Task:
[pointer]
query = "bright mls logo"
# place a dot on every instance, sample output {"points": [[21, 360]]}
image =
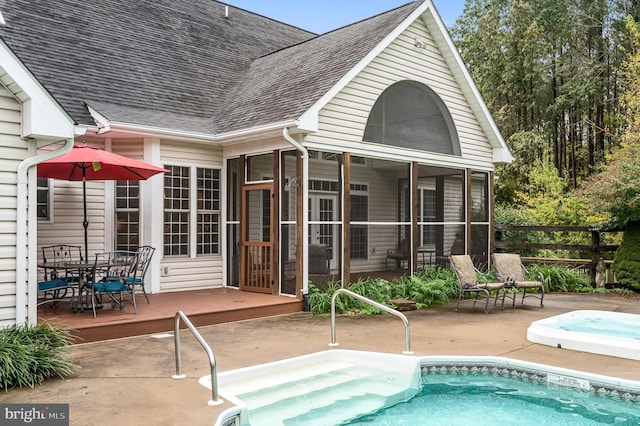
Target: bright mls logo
{"points": [[34, 414]]}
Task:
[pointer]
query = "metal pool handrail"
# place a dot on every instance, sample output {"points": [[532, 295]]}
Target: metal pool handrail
{"points": [[408, 351], [215, 400]]}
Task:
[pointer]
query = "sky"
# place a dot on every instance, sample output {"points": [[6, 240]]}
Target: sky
{"points": [[320, 16]]}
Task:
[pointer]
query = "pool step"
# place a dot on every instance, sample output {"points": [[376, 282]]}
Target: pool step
{"points": [[344, 384], [340, 394], [271, 379]]}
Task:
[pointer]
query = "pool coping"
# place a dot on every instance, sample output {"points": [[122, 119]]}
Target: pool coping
{"points": [[621, 347]]}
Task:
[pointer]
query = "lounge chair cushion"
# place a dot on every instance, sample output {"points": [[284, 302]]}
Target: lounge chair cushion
{"points": [[491, 286], [509, 267], [465, 270]]}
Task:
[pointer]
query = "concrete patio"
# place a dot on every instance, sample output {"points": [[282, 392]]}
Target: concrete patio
{"points": [[128, 381]]}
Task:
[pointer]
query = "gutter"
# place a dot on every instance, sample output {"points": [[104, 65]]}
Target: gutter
{"points": [[21, 226], [105, 125], [305, 208]]}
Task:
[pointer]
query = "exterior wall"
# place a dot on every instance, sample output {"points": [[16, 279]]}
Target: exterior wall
{"points": [[343, 119], [65, 224], [129, 147], [190, 273], [342, 123], [14, 150], [67, 215]]}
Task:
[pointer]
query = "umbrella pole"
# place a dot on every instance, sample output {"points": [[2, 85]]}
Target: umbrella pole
{"points": [[85, 222]]}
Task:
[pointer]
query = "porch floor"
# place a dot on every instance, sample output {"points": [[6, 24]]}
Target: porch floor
{"points": [[203, 307]]}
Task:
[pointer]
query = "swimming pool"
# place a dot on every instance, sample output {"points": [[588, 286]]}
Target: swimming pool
{"points": [[485, 395], [282, 388], [601, 332]]}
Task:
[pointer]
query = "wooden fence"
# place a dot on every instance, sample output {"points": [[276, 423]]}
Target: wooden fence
{"points": [[589, 254]]}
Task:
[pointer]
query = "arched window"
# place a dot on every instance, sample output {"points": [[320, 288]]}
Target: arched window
{"points": [[409, 114]]}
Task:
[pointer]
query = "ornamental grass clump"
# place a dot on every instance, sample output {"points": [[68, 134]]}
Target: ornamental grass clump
{"points": [[560, 278], [433, 286], [31, 354]]}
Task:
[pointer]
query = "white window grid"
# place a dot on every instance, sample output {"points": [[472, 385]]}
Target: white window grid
{"points": [[208, 211], [127, 213], [176, 211], [43, 203]]}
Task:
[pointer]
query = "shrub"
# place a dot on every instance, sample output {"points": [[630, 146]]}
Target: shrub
{"points": [[429, 287], [31, 354], [559, 278], [626, 262]]}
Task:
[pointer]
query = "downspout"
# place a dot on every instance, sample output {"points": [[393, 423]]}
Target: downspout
{"points": [[305, 208], [21, 226]]}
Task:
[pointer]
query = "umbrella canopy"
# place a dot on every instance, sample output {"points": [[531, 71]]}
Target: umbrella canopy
{"points": [[85, 162]]}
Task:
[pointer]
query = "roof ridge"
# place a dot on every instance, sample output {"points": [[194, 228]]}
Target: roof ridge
{"points": [[317, 36], [267, 17]]}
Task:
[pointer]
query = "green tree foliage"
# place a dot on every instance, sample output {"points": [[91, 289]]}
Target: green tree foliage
{"points": [[535, 188], [548, 71], [626, 263], [616, 189], [546, 200]]}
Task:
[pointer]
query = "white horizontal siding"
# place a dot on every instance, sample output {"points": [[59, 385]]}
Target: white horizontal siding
{"points": [[191, 274], [67, 216], [129, 147], [172, 152], [14, 150], [342, 121]]}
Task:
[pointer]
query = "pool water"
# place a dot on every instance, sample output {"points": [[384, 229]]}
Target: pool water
{"points": [[489, 399], [619, 325]]}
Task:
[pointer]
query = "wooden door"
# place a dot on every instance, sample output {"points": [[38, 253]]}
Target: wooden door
{"points": [[256, 238]]}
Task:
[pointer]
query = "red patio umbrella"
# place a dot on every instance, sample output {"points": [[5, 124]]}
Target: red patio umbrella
{"points": [[85, 162]]}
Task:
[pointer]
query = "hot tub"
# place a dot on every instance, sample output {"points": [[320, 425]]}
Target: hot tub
{"points": [[600, 332]]}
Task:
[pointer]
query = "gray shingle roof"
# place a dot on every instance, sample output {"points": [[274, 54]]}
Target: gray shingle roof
{"points": [[284, 84], [173, 64]]}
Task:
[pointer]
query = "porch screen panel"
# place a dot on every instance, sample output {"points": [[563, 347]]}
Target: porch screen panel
{"points": [[259, 167], [234, 175], [379, 215], [290, 187], [480, 211], [324, 215], [288, 258], [441, 214]]}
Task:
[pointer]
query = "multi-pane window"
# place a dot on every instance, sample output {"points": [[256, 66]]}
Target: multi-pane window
{"points": [[427, 214], [43, 199], [179, 185], [323, 185], [359, 240], [127, 215], [208, 232], [176, 211]]}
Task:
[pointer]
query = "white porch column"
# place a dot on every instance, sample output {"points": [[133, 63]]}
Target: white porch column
{"points": [[152, 212]]}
